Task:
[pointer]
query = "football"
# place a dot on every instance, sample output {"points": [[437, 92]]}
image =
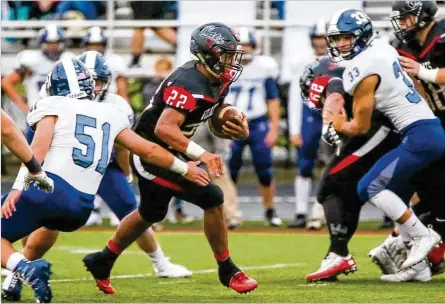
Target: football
{"points": [[222, 114]]}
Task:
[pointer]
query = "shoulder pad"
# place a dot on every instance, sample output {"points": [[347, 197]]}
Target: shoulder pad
{"points": [[48, 106], [269, 64], [28, 58]]}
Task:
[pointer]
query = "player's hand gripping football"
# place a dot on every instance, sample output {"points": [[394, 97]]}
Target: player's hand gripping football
{"points": [[213, 162], [8, 207], [41, 181], [240, 130], [196, 174]]}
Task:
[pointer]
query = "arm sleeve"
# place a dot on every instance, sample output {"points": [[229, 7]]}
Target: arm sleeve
{"points": [[335, 85], [44, 107], [271, 88]]}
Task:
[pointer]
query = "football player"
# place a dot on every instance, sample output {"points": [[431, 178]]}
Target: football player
{"points": [[375, 79], [69, 129], [114, 189], [95, 40], [420, 42], [14, 140], [256, 94], [322, 87], [305, 131], [33, 68], [184, 101]]}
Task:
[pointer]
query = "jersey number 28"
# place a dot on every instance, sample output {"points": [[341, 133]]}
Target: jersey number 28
{"points": [[87, 159]]}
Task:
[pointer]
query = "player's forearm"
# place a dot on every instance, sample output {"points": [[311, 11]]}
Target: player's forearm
{"points": [[171, 134], [14, 140], [157, 155], [123, 159], [440, 78], [274, 114], [353, 128], [122, 87], [333, 103]]}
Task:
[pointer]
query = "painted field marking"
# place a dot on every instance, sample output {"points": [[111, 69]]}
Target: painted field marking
{"points": [[203, 271]]}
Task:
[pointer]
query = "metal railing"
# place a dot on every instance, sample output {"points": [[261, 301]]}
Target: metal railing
{"points": [[119, 28]]}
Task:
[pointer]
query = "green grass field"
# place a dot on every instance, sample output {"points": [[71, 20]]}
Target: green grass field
{"points": [[279, 261]]}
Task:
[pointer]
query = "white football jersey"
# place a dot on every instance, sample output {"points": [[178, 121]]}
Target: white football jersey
{"points": [[117, 67], [83, 138], [396, 96], [122, 104], [248, 93], [40, 66]]}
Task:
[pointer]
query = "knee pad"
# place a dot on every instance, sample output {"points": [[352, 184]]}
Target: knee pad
{"points": [[305, 166], [153, 213]]}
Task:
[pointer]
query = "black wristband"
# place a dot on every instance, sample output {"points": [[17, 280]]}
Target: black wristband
{"points": [[33, 165]]}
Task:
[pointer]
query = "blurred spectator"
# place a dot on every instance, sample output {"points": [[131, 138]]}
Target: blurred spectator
{"points": [[162, 67], [153, 10], [91, 10]]}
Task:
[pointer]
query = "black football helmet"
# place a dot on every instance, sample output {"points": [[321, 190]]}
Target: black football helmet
{"points": [[312, 70], [218, 48], [423, 11]]}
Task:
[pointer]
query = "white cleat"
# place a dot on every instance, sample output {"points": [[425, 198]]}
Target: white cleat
{"points": [[390, 255], [420, 247], [420, 272], [166, 269]]}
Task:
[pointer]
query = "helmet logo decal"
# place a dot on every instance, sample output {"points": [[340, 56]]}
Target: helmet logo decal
{"points": [[414, 4], [209, 34]]}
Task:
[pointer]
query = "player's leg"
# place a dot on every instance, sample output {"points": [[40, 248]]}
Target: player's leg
{"points": [[119, 196], [262, 162], [236, 158], [24, 221], [152, 209], [307, 155], [392, 172], [210, 199]]}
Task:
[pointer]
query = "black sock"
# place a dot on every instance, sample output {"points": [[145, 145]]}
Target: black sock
{"points": [[270, 212], [226, 269], [339, 239], [135, 59]]}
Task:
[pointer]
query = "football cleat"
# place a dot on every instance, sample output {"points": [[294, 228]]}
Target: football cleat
{"points": [[166, 269], [332, 266], [390, 255], [36, 274], [438, 268], [233, 224], [241, 283], [100, 269], [419, 272], [420, 247], [12, 287], [271, 218], [299, 221]]}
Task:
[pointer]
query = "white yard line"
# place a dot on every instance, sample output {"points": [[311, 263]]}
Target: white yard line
{"points": [[203, 271]]}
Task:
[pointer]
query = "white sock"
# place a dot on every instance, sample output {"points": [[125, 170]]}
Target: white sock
{"points": [[303, 186], [403, 233], [414, 227], [13, 260], [157, 255]]}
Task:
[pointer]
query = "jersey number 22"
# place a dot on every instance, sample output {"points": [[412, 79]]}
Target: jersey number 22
{"points": [[87, 159]]}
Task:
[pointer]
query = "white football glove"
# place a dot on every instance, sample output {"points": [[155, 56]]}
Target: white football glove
{"points": [[41, 181], [331, 137]]}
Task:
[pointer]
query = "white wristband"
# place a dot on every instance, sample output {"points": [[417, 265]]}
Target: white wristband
{"points": [[19, 183], [429, 75], [179, 166], [194, 150]]}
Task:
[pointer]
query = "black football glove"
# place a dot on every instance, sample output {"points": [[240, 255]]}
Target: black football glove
{"points": [[332, 138]]}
